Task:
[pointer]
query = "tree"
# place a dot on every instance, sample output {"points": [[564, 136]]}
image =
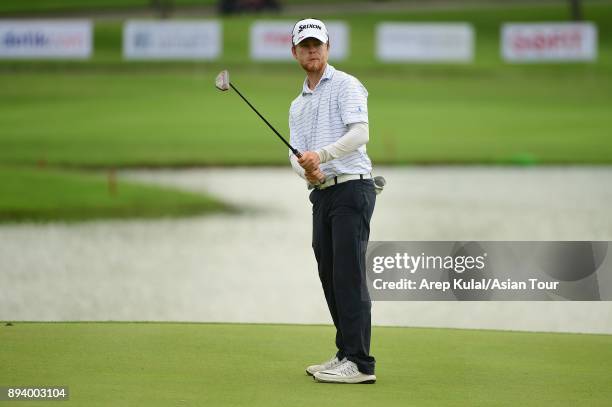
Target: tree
{"points": [[163, 7], [576, 8]]}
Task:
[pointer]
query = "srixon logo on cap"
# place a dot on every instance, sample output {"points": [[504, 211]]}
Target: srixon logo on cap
{"points": [[305, 26]]}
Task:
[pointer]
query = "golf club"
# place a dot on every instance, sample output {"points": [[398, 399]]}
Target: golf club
{"points": [[223, 83]]}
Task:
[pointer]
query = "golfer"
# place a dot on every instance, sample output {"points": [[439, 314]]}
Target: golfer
{"points": [[328, 123]]}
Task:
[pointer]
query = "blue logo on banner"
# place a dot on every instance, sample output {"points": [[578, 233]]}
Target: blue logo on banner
{"points": [[32, 39], [142, 40]]}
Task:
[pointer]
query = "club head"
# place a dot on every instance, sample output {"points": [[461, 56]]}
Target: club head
{"points": [[222, 80]]}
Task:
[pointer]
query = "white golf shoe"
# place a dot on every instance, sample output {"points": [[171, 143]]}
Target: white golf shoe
{"points": [[311, 370], [345, 372]]}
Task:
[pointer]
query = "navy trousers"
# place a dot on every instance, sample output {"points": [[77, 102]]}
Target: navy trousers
{"points": [[341, 228]]}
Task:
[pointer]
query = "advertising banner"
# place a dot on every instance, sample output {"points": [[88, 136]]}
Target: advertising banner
{"points": [[45, 39], [172, 40], [425, 42], [558, 42]]}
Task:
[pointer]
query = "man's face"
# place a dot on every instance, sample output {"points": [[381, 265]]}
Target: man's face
{"points": [[311, 54]]}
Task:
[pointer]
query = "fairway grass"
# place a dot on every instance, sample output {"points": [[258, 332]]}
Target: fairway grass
{"points": [[111, 112], [45, 194], [131, 119], [161, 364]]}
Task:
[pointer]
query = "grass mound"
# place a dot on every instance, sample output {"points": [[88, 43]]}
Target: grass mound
{"points": [[52, 195]]}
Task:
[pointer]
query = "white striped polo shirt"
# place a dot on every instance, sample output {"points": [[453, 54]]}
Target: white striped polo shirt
{"points": [[321, 116]]}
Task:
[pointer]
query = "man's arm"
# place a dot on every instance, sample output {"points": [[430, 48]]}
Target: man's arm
{"points": [[313, 175], [357, 135], [298, 143], [296, 166]]}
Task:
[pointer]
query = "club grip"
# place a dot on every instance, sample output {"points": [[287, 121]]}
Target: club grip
{"points": [[299, 155]]}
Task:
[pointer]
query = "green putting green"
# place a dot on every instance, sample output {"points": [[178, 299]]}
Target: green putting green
{"points": [[161, 364], [48, 194]]}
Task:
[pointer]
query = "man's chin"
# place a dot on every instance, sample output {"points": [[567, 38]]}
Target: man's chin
{"points": [[315, 66]]}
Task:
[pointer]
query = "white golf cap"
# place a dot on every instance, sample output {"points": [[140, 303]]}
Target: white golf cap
{"points": [[309, 28]]}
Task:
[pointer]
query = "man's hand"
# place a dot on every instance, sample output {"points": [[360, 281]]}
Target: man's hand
{"points": [[314, 177], [310, 161]]}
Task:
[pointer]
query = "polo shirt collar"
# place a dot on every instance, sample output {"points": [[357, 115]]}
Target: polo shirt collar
{"points": [[327, 74]]}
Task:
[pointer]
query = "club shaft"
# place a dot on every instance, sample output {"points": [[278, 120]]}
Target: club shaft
{"points": [[293, 150]]}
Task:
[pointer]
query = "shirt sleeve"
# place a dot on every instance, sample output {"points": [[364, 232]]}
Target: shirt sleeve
{"points": [[295, 139], [353, 102], [296, 166], [297, 144], [356, 136]]}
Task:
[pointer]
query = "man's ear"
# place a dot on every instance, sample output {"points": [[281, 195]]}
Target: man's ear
{"points": [[293, 51]]}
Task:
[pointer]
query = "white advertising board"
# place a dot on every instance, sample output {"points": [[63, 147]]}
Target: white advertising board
{"points": [[271, 40], [45, 39], [559, 42], [425, 42], [170, 40]]}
